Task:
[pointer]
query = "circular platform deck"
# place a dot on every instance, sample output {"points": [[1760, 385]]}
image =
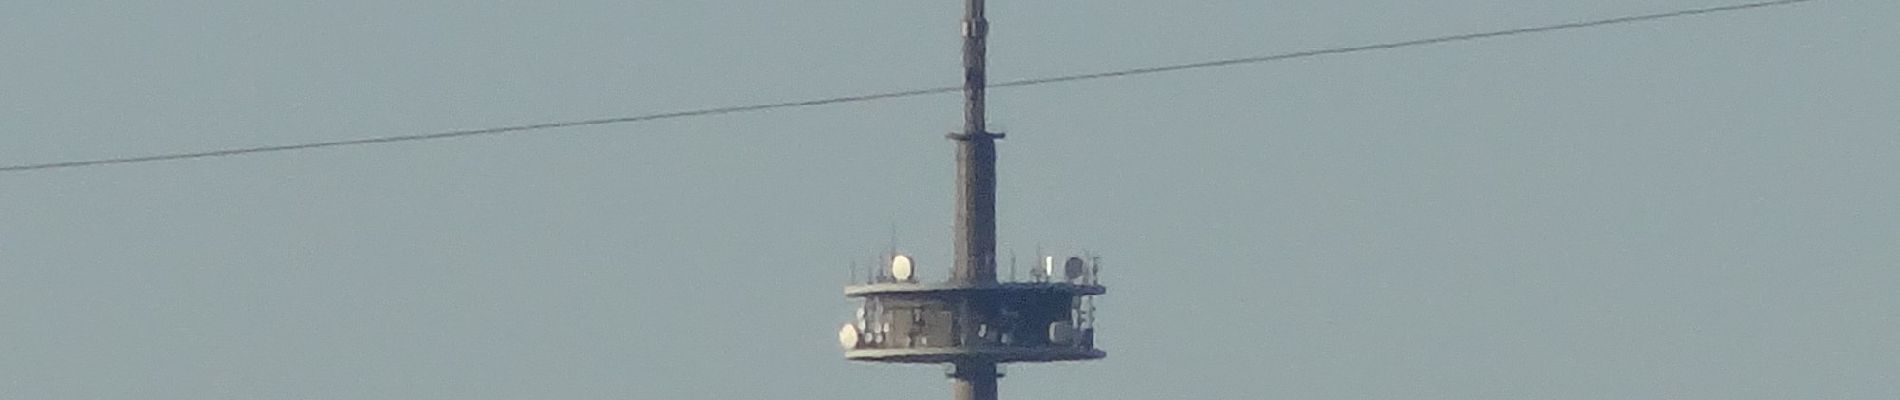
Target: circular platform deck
{"points": [[930, 289], [1001, 354]]}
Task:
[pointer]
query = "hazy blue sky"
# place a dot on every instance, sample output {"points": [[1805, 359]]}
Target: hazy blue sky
{"points": [[1703, 208]]}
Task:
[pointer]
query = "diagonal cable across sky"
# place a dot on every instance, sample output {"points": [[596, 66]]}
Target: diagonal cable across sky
{"points": [[704, 112]]}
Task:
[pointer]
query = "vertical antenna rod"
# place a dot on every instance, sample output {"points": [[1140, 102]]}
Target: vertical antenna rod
{"points": [[976, 161]]}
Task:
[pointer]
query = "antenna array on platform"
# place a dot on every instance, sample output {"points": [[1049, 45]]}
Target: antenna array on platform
{"points": [[973, 322]]}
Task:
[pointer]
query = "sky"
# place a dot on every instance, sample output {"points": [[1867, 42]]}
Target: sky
{"points": [[1698, 208]]}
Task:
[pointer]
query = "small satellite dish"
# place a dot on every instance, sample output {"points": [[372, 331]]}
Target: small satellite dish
{"points": [[1074, 268], [901, 268], [1060, 332], [848, 337]]}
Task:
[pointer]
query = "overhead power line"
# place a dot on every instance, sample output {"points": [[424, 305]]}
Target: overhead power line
{"points": [[898, 94]]}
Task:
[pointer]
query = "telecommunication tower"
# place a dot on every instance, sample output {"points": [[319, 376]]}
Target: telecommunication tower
{"points": [[974, 322]]}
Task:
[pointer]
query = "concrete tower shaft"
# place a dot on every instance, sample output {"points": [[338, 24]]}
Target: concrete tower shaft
{"points": [[976, 161], [976, 201]]}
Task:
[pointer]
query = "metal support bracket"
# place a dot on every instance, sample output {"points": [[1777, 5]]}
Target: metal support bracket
{"points": [[964, 137]]}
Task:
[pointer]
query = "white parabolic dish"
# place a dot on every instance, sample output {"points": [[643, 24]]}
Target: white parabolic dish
{"points": [[901, 267], [848, 336]]}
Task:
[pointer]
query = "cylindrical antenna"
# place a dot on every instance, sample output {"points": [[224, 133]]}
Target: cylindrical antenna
{"points": [[975, 62], [976, 161]]}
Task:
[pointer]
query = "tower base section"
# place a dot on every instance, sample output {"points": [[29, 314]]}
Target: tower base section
{"points": [[974, 381]]}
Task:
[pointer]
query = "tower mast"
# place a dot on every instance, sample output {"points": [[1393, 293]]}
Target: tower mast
{"points": [[976, 160], [976, 200], [973, 323]]}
